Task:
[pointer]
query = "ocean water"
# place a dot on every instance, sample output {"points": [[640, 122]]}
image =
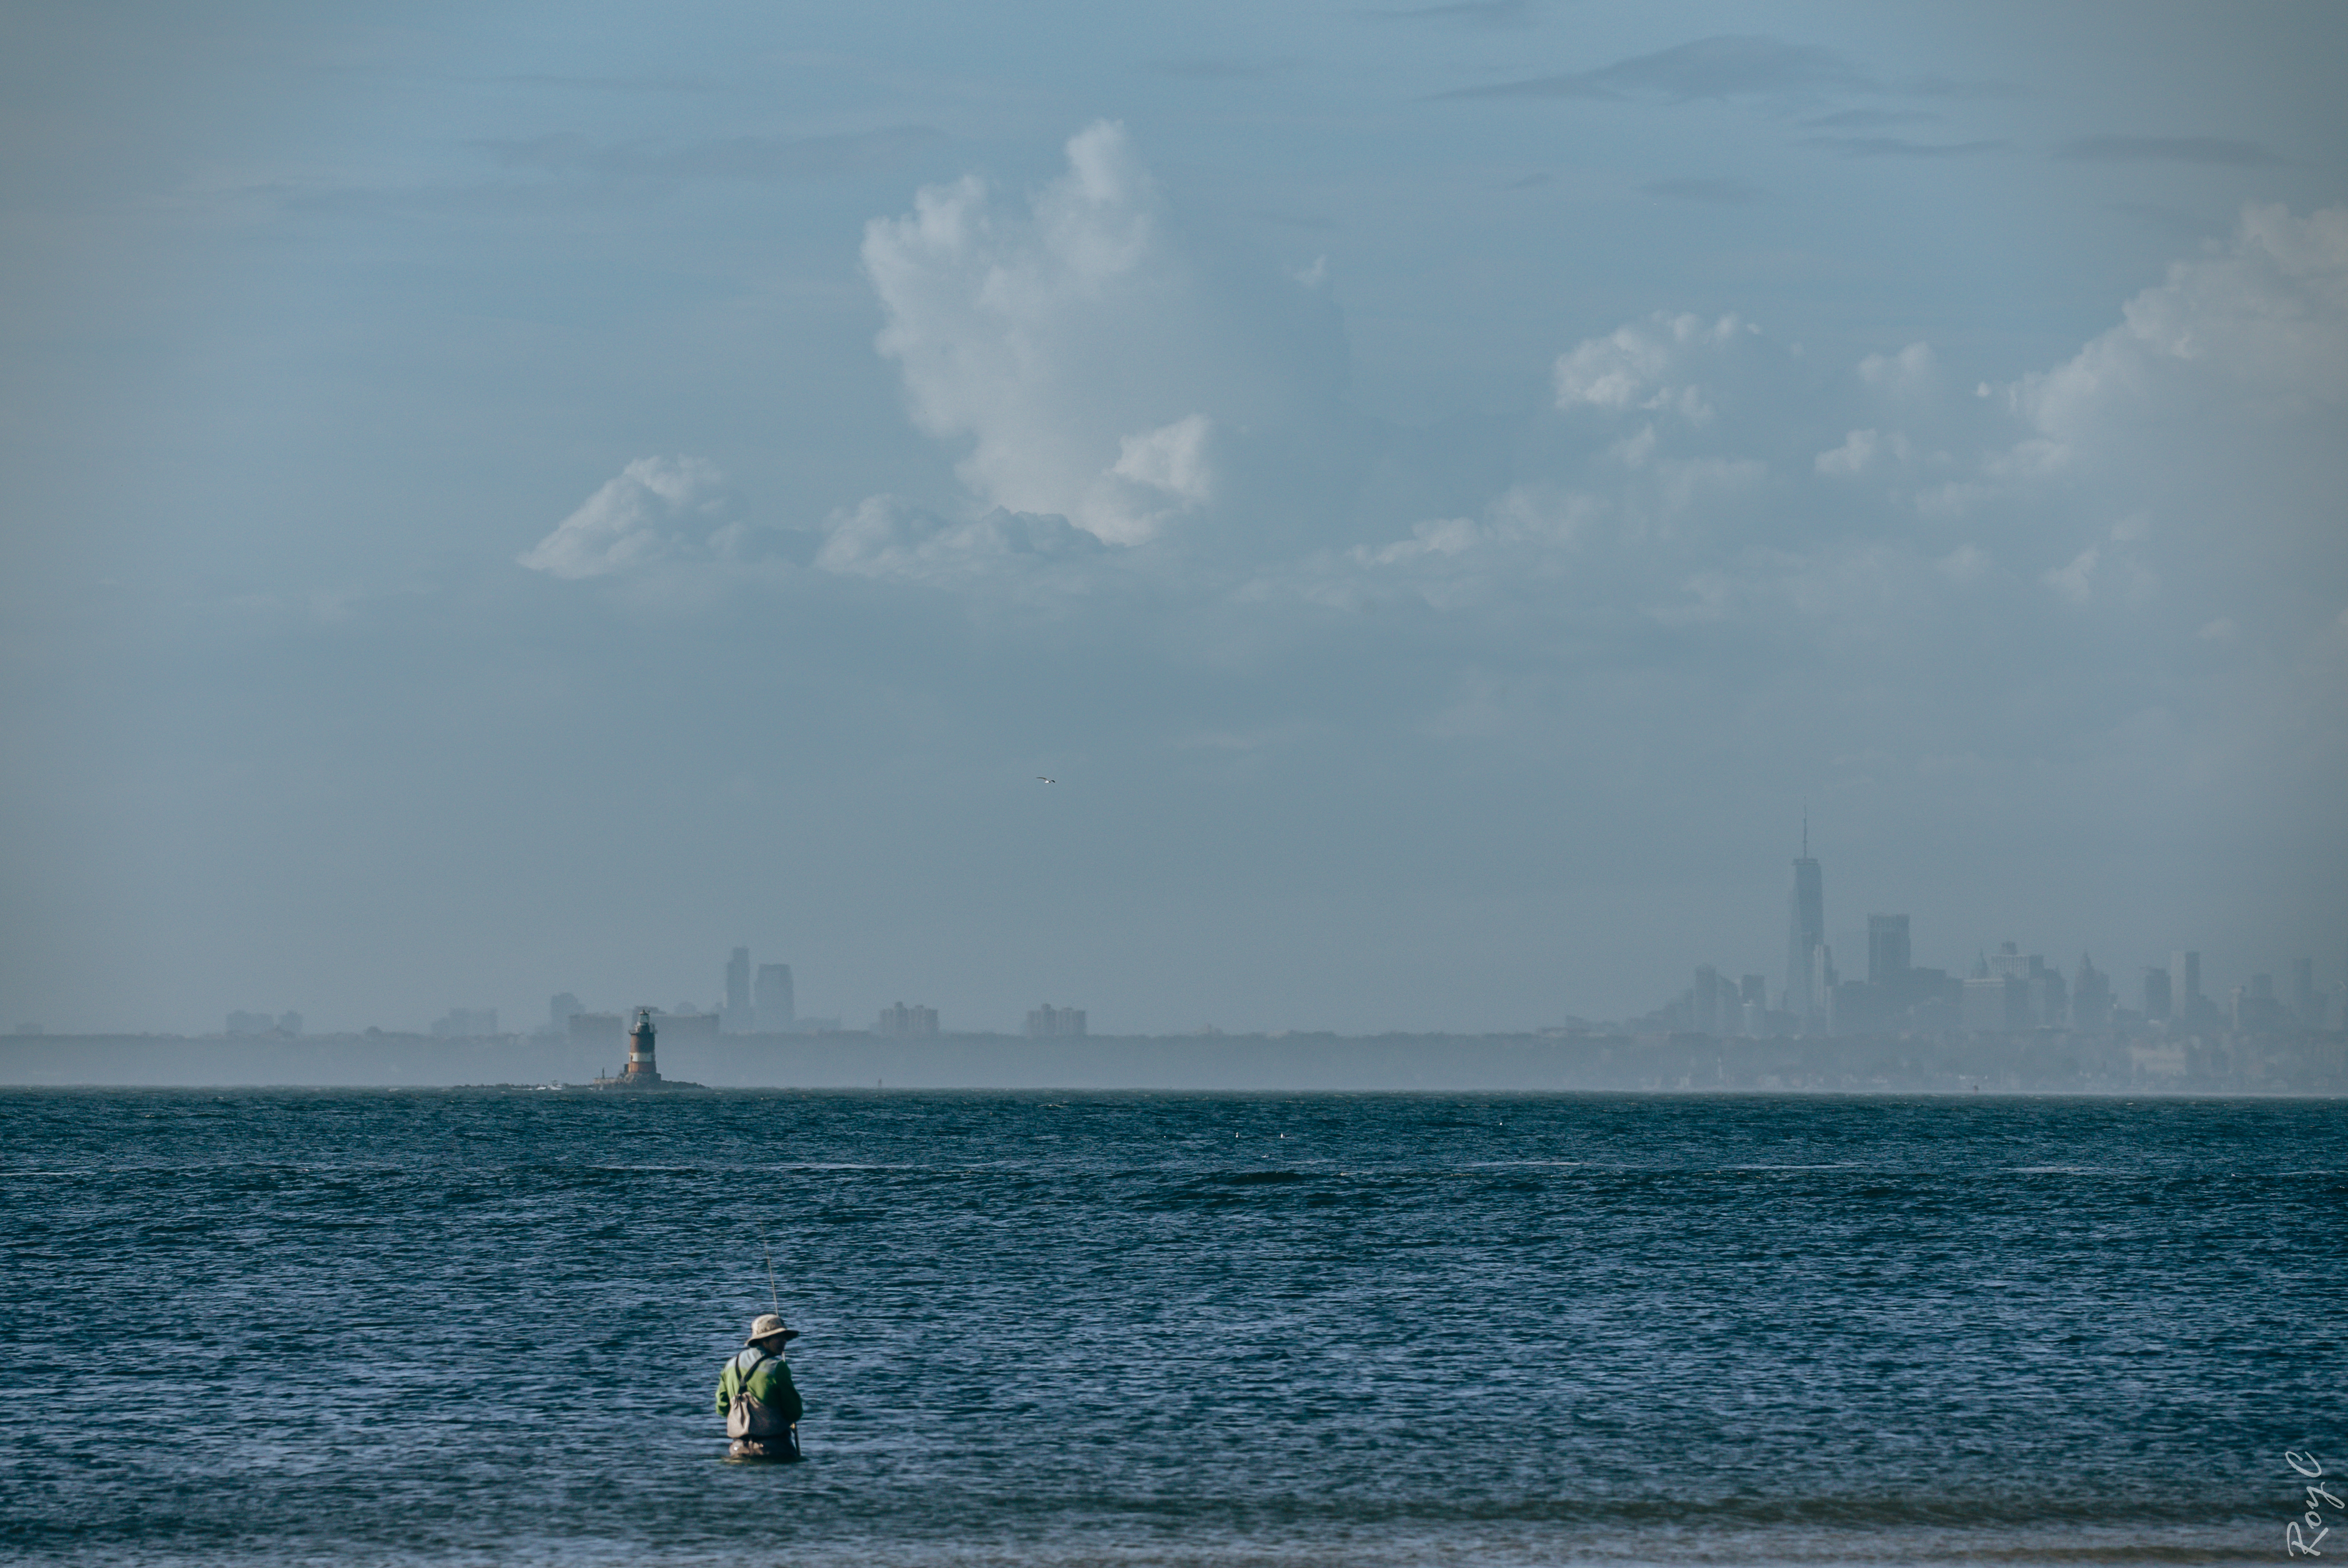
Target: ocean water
{"points": [[476, 1327]]}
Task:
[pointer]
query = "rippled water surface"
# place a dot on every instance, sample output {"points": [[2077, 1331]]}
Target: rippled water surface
{"points": [[483, 1326]]}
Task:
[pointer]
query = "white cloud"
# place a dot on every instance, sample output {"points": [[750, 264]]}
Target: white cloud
{"points": [[1526, 535], [1070, 345], [1632, 451], [1172, 459], [1542, 516], [1685, 483], [1523, 523], [1907, 373], [2265, 319], [2075, 583], [1101, 397], [633, 520], [1964, 565], [2273, 310], [1953, 498], [1860, 450], [1856, 451], [1444, 536], [1838, 592], [884, 536], [1644, 365]]}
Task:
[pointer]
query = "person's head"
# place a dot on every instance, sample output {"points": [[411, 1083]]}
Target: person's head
{"points": [[769, 1334]]}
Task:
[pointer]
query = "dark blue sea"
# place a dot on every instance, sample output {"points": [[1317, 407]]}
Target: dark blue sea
{"points": [[477, 1327]]}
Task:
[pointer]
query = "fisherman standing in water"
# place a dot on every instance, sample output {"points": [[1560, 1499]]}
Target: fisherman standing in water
{"points": [[757, 1397]]}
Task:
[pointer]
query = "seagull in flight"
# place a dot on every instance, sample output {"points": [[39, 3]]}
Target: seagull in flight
{"points": [[1043, 780]]}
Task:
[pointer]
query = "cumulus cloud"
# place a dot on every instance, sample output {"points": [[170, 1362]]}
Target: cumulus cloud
{"points": [[1862, 450], [636, 518], [2266, 318], [886, 537], [1700, 495], [1530, 534], [2075, 582], [1172, 460], [1683, 484], [1069, 344], [1965, 564], [1849, 588], [1644, 365], [1856, 451], [2211, 416], [2112, 568], [1688, 510], [1909, 371], [1443, 536]]}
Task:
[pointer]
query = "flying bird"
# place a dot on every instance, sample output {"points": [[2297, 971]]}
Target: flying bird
{"points": [[1041, 777]]}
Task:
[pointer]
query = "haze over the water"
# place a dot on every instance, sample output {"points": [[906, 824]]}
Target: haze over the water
{"points": [[515, 502]]}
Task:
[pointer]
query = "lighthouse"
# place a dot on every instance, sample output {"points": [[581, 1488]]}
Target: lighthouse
{"points": [[641, 1074]]}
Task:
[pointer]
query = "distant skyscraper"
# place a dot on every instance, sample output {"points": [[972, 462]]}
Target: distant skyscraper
{"points": [[1805, 931], [2159, 1001], [777, 1012], [1823, 984], [738, 988], [2091, 998], [2184, 984], [1716, 1008], [2302, 994], [1886, 950], [601, 1031], [902, 1022], [1047, 1021], [1995, 1004], [2011, 962], [2049, 999]]}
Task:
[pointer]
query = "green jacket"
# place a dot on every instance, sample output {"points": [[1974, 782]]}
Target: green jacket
{"points": [[770, 1385]]}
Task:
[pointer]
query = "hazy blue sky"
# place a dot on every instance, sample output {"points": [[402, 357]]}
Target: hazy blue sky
{"points": [[514, 498]]}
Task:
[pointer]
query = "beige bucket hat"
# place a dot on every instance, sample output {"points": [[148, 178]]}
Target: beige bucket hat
{"points": [[770, 1326]]}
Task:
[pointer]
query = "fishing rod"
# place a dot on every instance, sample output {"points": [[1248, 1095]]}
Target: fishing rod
{"points": [[772, 1288]]}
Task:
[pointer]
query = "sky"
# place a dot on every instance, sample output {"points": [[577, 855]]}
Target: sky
{"points": [[507, 499]]}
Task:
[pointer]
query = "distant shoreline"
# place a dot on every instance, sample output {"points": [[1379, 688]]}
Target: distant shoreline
{"points": [[2047, 1063]]}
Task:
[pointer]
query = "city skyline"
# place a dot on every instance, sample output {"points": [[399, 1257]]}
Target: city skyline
{"points": [[1880, 996], [2006, 990]]}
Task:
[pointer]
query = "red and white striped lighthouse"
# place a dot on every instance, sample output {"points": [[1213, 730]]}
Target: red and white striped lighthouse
{"points": [[640, 1068]]}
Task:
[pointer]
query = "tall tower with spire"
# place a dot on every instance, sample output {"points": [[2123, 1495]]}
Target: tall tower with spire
{"points": [[1806, 932]]}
